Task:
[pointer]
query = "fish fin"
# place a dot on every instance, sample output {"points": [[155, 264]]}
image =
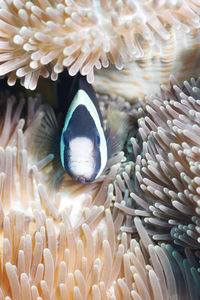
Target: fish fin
{"points": [[44, 137], [116, 130]]}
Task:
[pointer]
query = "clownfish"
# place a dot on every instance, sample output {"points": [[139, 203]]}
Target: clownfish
{"points": [[82, 146]]}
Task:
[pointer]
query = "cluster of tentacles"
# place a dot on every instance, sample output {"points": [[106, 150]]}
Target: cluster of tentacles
{"points": [[132, 234], [41, 37], [163, 188]]}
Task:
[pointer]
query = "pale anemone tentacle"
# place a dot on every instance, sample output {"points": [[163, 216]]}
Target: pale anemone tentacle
{"points": [[42, 37], [49, 260], [166, 182]]}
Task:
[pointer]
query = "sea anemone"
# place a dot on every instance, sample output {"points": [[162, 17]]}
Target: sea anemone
{"points": [[166, 179], [108, 239], [42, 37], [50, 254]]}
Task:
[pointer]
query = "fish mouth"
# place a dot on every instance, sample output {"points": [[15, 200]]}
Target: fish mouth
{"points": [[82, 179]]}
